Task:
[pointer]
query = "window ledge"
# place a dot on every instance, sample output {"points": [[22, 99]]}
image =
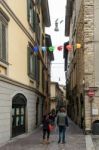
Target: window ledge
{"points": [[3, 62]]}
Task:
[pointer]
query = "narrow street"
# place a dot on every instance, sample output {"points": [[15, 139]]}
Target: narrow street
{"points": [[75, 140]]}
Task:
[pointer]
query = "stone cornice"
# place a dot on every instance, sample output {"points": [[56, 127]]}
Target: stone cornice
{"points": [[16, 83]]}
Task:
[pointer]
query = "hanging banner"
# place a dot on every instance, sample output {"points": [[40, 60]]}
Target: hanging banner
{"points": [[69, 47], [51, 48], [59, 48], [78, 45], [35, 48], [43, 48]]}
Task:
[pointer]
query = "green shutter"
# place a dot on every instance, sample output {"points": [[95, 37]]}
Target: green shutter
{"points": [[38, 2], [36, 69], [34, 20], [28, 60], [33, 61], [28, 9], [3, 42]]}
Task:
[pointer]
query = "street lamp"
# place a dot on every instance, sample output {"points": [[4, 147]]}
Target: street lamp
{"points": [[57, 25]]}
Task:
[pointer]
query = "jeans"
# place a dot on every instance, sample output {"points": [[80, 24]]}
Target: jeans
{"points": [[62, 130], [46, 132]]}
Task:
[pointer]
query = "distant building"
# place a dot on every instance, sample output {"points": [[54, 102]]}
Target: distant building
{"points": [[63, 89], [54, 88], [57, 98], [82, 68]]}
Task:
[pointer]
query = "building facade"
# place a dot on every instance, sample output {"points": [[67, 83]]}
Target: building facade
{"points": [[57, 96], [22, 69], [54, 93], [82, 71]]}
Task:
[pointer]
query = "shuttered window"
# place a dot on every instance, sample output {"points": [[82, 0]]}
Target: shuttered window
{"points": [[38, 2], [31, 14], [33, 64], [37, 28], [3, 49]]}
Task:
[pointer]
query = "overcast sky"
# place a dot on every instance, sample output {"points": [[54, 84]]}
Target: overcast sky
{"points": [[57, 10]]}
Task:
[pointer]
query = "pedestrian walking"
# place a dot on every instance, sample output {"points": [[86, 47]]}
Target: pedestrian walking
{"points": [[62, 122], [46, 129], [52, 117]]}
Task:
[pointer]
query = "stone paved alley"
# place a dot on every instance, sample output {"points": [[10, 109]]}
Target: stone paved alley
{"points": [[75, 140]]}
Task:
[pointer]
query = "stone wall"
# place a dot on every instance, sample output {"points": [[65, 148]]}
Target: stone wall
{"points": [[88, 57], [88, 41]]}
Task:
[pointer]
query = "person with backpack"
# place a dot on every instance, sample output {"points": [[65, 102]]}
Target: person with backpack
{"points": [[62, 122]]}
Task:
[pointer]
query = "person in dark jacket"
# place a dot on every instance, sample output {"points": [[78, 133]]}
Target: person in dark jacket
{"points": [[62, 122], [52, 118], [46, 130]]}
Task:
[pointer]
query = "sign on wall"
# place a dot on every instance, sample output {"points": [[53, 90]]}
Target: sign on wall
{"points": [[95, 111]]}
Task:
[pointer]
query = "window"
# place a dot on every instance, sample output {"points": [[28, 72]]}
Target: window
{"points": [[33, 64], [38, 2], [3, 38], [43, 79], [31, 14], [43, 44], [37, 28]]}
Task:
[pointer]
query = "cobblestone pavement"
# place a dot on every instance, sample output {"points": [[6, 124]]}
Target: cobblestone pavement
{"points": [[75, 140]]}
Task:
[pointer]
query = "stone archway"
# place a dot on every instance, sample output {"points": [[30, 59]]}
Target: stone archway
{"points": [[18, 114]]}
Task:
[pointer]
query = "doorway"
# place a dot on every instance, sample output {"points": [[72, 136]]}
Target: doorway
{"points": [[18, 114], [82, 110], [37, 109]]}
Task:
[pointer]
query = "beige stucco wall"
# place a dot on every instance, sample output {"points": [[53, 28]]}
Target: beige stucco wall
{"points": [[17, 43], [17, 56], [20, 10]]}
